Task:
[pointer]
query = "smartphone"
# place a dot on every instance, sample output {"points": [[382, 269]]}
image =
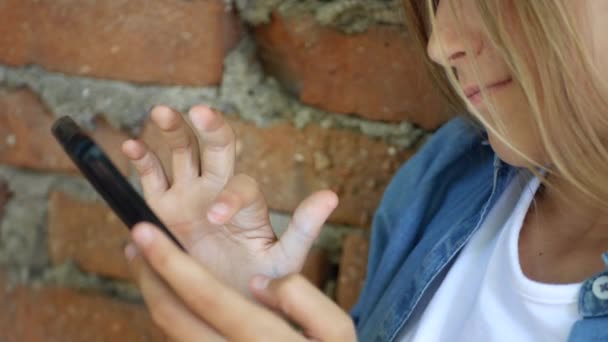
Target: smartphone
{"points": [[95, 165]]}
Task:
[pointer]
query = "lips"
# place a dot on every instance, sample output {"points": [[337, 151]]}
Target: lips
{"points": [[475, 91]]}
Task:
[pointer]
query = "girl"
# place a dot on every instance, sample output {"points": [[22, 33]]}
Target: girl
{"points": [[494, 231]]}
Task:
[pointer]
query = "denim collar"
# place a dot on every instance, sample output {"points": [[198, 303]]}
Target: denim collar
{"points": [[593, 297]]}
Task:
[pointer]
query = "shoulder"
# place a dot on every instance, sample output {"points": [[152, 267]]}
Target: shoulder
{"points": [[446, 157]]}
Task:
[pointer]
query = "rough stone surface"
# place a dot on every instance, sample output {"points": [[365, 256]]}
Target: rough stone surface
{"points": [[353, 268], [245, 90], [123, 104], [26, 139], [5, 195], [23, 228], [88, 233], [349, 16], [377, 74], [55, 314], [8, 310], [155, 41], [282, 159], [258, 98], [22, 234]]}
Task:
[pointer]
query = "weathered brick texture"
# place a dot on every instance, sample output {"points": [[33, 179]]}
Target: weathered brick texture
{"points": [[58, 315], [26, 139], [376, 74], [353, 268], [88, 233], [149, 41]]}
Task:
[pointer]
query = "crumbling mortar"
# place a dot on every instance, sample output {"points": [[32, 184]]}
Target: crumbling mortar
{"points": [[348, 16], [245, 90]]}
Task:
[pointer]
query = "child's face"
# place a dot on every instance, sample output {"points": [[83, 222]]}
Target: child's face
{"points": [[462, 30]]}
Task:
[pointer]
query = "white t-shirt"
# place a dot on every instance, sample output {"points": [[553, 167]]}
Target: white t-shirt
{"points": [[486, 297]]}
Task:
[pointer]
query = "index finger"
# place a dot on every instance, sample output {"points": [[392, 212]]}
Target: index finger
{"points": [[227, 311]]}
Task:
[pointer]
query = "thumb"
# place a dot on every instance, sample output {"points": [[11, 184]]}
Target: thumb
{"points": [[306, 224], [304, 304]]}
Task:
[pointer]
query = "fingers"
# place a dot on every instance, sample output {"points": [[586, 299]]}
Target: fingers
{"points": [[298, 299], [181, 140], [167, 311], [148, 166], [218, 143], [240, 202], [213, 302], [306, 224]]}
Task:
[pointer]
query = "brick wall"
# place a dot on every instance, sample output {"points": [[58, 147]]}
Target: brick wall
{"points": [[318, 100]]}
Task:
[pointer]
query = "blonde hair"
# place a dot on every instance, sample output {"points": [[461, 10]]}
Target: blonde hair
{"points": [[568, 99]]}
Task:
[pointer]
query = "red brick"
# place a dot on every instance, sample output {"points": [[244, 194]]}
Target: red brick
{"points": [[376, 74], [53, 314], [88, 233], [26, 139], [290, 164], [353, 267], [158, 41], [316, 268]]}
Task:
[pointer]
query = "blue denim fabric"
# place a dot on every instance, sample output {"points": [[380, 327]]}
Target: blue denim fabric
{"points": [[429, 211]]}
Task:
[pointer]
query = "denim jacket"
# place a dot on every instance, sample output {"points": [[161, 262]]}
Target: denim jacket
{"points": [[430, 210]]}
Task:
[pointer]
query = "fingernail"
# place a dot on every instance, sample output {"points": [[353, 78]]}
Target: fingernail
{"points": [[144, 235], [333, 201], [130, 252], [219, 209], [217, 213], [260, 282]]}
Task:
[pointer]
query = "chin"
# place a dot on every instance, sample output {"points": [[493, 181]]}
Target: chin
{"points": [[505, 153]]}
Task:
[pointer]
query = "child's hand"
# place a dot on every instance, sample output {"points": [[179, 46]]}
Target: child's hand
{"points": [[221, 219], [190, 304]]}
